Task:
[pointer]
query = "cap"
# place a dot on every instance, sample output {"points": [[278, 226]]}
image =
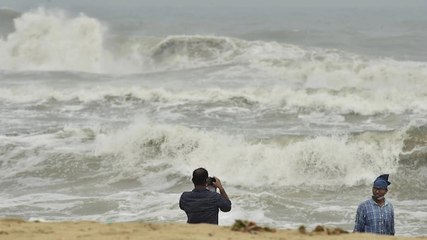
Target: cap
{"points": [[382, 181]]}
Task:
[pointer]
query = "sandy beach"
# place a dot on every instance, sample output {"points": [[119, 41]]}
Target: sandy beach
{"points": [[18, 229]]}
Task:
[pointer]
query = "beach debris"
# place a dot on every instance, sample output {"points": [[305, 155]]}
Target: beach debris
{"points": [[250, 227], [302, 229], [152, 227], [329, 231], [319, 229]]}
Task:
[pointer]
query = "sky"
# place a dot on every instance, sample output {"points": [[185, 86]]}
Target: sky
{"points": [[23, 4]]}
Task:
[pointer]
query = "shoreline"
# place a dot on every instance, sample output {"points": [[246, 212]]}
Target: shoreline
{"points": [[17, 229]]}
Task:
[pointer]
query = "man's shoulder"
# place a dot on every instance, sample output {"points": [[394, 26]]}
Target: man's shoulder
{"points": [[196, 192], [186, 194], [388, 203], [365, 203]]}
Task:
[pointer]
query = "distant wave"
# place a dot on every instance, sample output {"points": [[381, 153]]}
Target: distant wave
{"points": [[278, 98], [50, 40], [414, 152], [295, 79], [197, 50]]}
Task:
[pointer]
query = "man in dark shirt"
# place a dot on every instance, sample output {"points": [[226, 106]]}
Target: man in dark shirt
{"points": [[202, 205]]}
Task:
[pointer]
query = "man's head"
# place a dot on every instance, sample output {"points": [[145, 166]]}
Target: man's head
{"points": [[199, 176], [380, 187]]}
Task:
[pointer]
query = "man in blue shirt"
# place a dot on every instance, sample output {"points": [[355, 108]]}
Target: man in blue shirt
{"points": [[202, 205], [376, 215]]}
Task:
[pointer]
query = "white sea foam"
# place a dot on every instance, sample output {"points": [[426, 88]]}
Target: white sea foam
{"points": [[334, 160], [51, 40], [48, 40], [291, 100], [272, 74]]}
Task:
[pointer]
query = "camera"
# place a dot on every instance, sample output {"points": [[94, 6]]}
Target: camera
{"points": [[209, 183], [210, 180]]}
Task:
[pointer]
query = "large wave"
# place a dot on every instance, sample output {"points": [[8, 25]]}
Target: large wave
{"points": [[293, 78], [54, 41], [184, 51], [321, 161], [145, 150], [279, 97], [49, 40]]}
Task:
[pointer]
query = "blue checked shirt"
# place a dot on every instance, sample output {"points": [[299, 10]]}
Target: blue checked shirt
{"points": [[373, 218]]}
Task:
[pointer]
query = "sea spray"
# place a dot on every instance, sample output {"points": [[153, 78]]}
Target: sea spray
{"points": [[49, 40], [335, 160], [303, 101]]}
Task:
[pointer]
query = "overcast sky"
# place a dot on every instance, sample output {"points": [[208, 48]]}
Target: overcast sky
{"points": [[22, 4]]}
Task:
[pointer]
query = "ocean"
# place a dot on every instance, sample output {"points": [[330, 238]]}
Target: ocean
{"points": [[107, 108]]}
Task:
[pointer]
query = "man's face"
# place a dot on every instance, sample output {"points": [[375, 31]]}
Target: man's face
{"points": [[378, 193]]}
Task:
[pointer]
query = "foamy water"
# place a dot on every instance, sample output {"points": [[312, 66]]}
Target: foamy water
{"points": [[102, 126]]}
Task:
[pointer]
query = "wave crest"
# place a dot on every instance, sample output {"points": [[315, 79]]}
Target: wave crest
{"points": [[196, 51], [49, 40], [321, 161]]}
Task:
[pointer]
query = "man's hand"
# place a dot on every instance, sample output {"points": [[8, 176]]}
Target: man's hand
{"points": [[218, 184]]}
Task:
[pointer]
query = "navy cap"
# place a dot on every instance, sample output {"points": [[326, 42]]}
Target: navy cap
{"points": [[382, 182]]}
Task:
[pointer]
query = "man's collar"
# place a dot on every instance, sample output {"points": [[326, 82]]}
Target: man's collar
{"points": [[199, 189], [373, 202]]}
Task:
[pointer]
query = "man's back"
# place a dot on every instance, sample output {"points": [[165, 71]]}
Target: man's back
{"points": [[202, 205]]}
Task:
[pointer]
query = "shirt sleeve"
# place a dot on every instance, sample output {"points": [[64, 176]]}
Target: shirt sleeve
{"points": [[181, 202], [392, 221], [359, 225], [224, 204]]}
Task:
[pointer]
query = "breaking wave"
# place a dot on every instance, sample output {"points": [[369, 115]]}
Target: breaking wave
{"points": [[293, 79], [324, 161], [147, 150]]}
